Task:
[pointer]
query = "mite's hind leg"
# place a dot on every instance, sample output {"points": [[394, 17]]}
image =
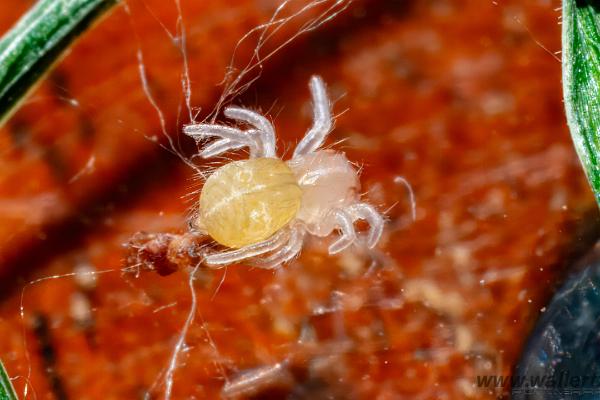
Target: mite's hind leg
{"points": [[219, 147], [344, 222], [265, 132], [231, 139], [286, 253], [368, 213], [219, 259]]}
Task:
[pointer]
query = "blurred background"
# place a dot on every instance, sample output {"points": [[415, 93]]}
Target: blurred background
{"points": [[460, 98]]}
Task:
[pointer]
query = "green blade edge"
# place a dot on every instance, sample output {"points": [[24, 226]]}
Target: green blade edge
{"points": [[581, 82], [37, 42], [7, 391]]}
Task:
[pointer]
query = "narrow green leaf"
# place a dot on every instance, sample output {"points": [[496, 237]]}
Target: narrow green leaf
{"points": [[7, 392], [37, 41], [581, 82]]}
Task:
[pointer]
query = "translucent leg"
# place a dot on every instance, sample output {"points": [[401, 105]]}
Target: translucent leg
{"points": [[348, 236], [286, 253], [368, 213], [219, 147], [231, 138], [264, 129], [322, 121], [219, 259]]}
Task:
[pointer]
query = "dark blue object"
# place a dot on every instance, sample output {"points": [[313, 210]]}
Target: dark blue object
{"points": [[562, 357]]}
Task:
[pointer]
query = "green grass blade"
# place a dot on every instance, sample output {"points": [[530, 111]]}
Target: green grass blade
{"points": [[7, 392], [37, 41], [581, 82]]}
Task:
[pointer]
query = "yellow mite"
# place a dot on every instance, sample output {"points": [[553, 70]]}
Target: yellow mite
{"points": [[263, 207]]}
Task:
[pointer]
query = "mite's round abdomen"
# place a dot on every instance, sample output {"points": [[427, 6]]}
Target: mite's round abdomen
{"points": [[245, 202]]}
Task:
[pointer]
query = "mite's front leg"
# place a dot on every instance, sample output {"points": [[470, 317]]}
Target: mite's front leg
{"points": [[368, 213], [322, 121], [345, 224]]}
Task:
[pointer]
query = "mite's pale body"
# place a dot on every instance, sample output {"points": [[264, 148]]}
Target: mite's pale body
{"points": [[328, 182], [264, 206]]}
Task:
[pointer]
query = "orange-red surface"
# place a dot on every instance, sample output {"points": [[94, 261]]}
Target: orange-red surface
{"points": [[459, 97]]}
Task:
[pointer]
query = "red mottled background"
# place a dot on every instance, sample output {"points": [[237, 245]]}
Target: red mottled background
{"points": [[462, 98]]}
